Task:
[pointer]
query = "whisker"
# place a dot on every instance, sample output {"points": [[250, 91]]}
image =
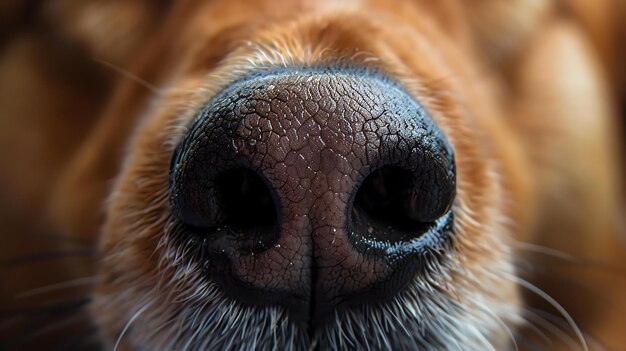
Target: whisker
{"points": [[45, 256], [536, 330], [546, 251], [38, 319], [38, 322], [552, 302], [567, 258], [8, 322], [128, 324], [29, 335], [483, 340], [58, 286], [499, 320], [47, 309], [557, 320], [553, 329], [528, 345], [64, 238], [584, 288], [128, 75]]}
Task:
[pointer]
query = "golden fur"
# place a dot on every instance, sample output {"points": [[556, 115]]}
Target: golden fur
{"points": [[95, 95]]}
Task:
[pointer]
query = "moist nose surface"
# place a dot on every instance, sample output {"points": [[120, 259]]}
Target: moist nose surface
{"points": [[313, 189]]}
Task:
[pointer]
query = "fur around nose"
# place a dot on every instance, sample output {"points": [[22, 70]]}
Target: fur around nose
{"points": [[313, 189]]}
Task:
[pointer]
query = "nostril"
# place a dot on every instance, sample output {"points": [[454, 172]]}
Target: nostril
{"points": [[232, 209], [246, 202], [394, 205]]}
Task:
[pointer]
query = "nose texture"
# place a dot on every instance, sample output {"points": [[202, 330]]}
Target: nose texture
{"points": [[314, 189]]}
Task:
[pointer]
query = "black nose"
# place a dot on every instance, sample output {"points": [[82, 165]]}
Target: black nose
{"points": [[314, 189]]}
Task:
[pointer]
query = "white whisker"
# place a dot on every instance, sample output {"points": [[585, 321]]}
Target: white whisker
{"points": [[553, 329], [58, 286], [129, 75], [552, 302], [502, 323], [545, 250], [128, 324]]}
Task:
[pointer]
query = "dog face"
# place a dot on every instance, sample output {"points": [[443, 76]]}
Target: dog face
{"points": [[312, 180], [319, 175]]}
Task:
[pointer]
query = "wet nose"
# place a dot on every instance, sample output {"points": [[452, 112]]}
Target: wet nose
{"points": [[313, 190]]}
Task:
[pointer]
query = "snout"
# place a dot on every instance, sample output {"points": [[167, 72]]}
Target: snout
{"points": [[313, 190]]}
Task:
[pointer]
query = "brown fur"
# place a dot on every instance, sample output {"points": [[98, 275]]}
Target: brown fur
{"points": [[525, 91]]}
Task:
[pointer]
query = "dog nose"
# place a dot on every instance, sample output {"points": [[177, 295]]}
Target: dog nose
{"points": [[313, 189]]}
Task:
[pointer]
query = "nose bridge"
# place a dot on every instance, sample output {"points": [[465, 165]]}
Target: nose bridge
{"points": [[314, 138], [307, 135], [306, 139], [304, 128]]}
